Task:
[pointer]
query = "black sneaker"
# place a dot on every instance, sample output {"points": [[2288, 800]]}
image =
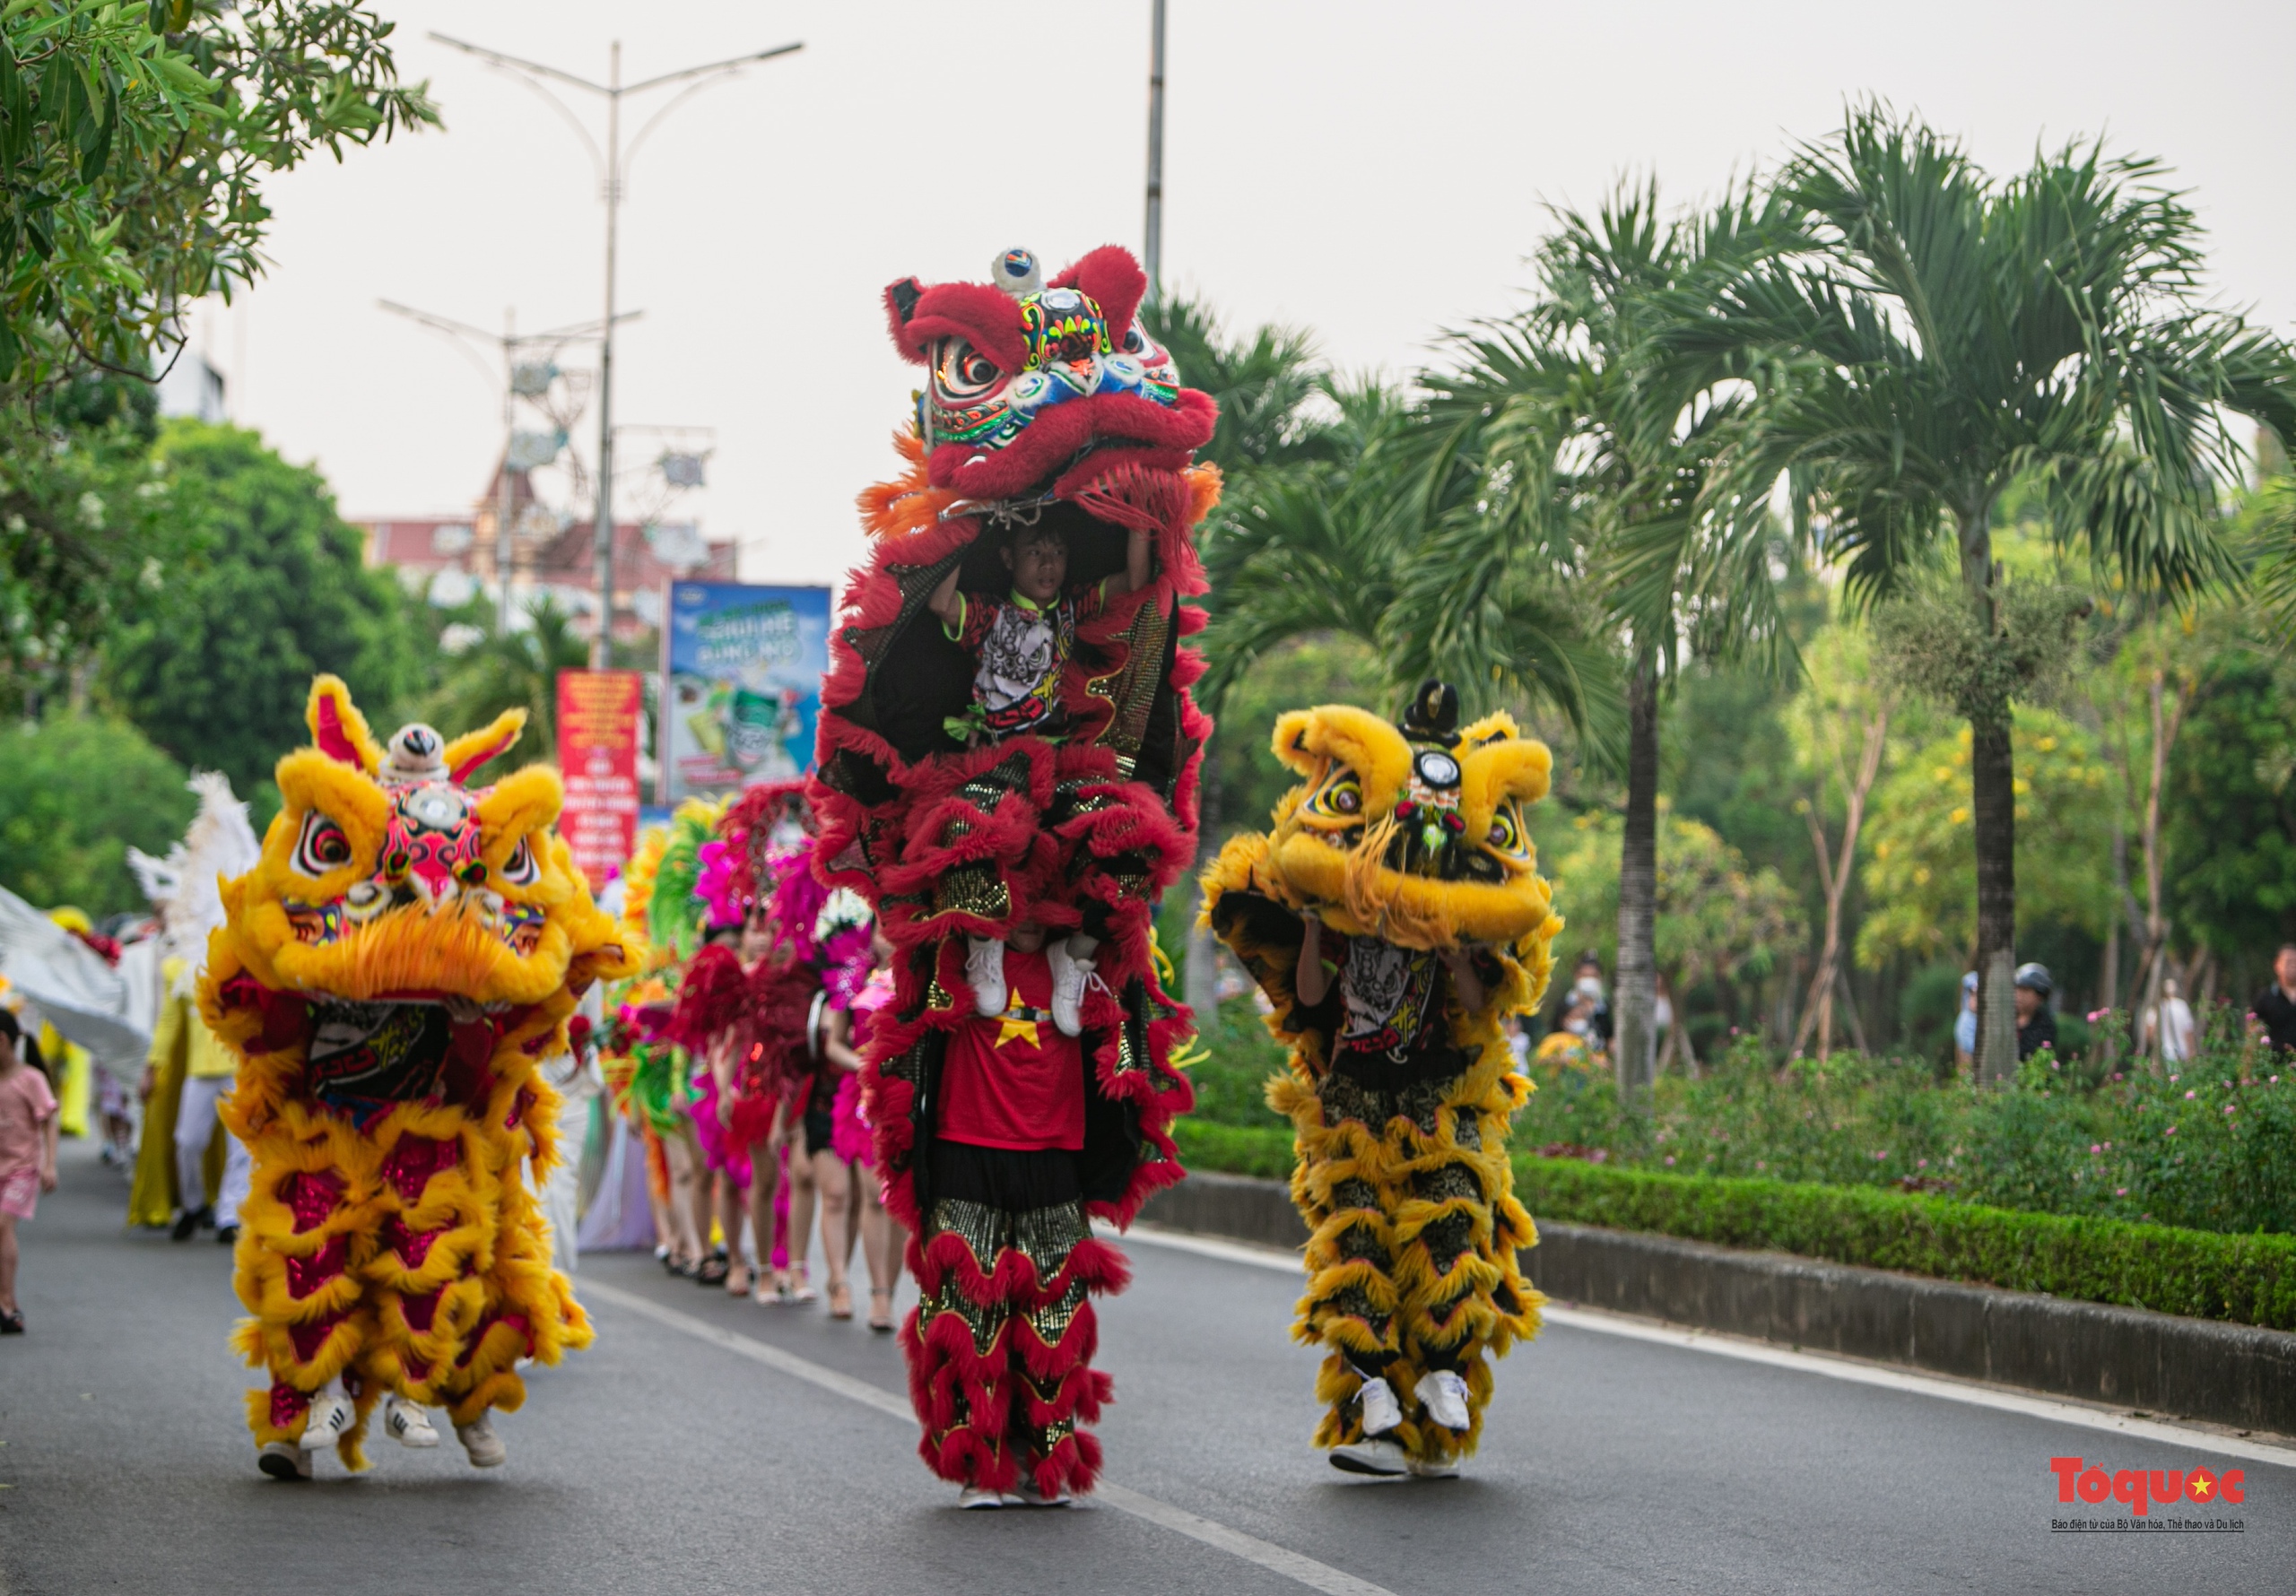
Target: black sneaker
{"points": [[225, 1235], [12, 1324], [189, 1222]]}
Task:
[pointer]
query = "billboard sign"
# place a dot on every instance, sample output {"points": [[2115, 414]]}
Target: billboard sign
{"points": [[599, 716], [742, 669]]}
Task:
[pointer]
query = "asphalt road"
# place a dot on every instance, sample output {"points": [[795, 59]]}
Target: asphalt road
{"points": [[706, 1444]]}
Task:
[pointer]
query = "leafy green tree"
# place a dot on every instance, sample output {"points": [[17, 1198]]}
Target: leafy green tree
{"points": [[1920, 870], [1950, 335], [218, 676], [2228, 817], [1716, 921], [135, 139], [86, 539], [81, 791]]}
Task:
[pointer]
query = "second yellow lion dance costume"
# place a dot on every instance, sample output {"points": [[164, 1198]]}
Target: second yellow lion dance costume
{"points": [[1394, 916], [391, 973]]}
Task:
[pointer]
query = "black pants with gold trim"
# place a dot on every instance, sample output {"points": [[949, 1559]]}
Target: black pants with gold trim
{"points": [[1000, 1346]]}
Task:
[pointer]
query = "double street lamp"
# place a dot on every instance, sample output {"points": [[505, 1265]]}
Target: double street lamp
{"points": [[611, 162]]}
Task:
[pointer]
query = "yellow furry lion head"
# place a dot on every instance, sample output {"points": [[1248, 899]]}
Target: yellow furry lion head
{"points": [[388, 878], [1411, 833]]}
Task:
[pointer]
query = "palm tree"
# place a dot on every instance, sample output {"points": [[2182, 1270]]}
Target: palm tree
{"points": [[509, 670], [1591, 442], [1946, 335]]}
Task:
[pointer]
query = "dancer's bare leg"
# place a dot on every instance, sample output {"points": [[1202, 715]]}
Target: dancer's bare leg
{"points": [[804, 1190], [882, 1237], [685, 1242], [732, 1210], [833, 1178]]}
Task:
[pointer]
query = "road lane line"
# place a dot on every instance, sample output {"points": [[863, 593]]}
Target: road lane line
{"points": [[1747, 1351], [1265, 1553]]}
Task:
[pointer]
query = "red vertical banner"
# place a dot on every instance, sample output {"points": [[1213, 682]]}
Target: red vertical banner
{"points": [[599, 715]]}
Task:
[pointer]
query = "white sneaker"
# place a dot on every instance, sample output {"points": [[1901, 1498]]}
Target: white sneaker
{"points": [[1375, 1454], [481, 1443], [1381, 1412], [1068, 976], [1448, 1469], [283, 1460], [1032, 1495], [980, 1496], [327, 1420], [407, 1424], [1444, 1394], [984, 973]]}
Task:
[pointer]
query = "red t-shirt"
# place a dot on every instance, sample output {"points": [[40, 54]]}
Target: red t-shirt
{"points": [[1012, 1080]]}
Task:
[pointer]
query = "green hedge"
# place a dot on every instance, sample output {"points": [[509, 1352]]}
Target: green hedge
{"points": [[2248, 1279]]}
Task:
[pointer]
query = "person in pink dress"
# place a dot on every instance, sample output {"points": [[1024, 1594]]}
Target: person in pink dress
{"points": [[27, 1156]]}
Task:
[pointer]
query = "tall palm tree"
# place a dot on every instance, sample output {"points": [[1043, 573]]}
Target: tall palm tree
{"points": [[1948, 334], [1591, 442]]}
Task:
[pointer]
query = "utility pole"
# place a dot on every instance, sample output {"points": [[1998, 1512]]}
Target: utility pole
{"points": [[611, 162], [1155, 233]]}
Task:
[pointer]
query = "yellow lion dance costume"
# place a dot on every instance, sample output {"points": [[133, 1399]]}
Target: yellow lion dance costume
{"points": [[391, 973], [1393, 916]]}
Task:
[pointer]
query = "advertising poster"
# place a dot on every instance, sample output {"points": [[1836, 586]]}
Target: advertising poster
{"points": [[599, 715], [743, 667]]}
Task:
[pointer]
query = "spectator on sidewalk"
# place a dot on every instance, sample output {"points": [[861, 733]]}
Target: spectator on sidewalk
{"points": [[27, 1157], [2273, 1013], [1965, 1026], [2036, 1020], [2178, 1035]]}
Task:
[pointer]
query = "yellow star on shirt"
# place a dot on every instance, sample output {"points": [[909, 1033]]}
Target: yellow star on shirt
{"points": [[1014, 1025]]}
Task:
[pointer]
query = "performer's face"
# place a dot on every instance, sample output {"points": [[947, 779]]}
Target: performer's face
{"points": [[1027, 937], [1040, 568]]}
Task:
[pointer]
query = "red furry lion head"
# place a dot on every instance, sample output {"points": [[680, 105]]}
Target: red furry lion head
{"points": [[1035, 391]]}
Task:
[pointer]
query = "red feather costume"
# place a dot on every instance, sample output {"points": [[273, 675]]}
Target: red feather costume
{"points": [[1048, 407]]}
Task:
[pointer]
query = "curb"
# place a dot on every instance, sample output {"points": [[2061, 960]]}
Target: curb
{"points": [[2234, 1374]]}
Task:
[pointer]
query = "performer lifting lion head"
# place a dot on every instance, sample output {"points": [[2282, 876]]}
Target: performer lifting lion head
{"points": [[1394, 916], [391, 972], [1009, 758]]}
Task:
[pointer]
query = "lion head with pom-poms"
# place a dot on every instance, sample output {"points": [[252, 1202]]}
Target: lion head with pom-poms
{"points": [[388, 877], [1410, 832]]}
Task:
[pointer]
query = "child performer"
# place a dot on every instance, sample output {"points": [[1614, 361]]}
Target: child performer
{"points": [[1022, 643]]}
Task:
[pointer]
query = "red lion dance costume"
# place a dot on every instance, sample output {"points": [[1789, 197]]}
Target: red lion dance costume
{"points": [[1049, 411]]}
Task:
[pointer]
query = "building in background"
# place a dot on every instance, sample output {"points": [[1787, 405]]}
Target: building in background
{"points": [[450, 559]]}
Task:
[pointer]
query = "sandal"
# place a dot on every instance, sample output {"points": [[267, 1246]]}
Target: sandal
{"points": [[737, 1280], [841, 1300], [881, 1319], [772, 1291], [713, 1271], [804, 1291]]}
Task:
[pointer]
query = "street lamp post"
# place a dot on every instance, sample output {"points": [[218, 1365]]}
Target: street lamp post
{"points": [[611, 162], [1155, 229]]}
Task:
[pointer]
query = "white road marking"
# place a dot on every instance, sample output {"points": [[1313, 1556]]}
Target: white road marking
{"points": [[1266, 1554], [1748, 1350]]}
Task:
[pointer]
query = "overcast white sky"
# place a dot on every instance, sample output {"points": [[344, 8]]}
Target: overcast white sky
{"points": [[1372, 171]]}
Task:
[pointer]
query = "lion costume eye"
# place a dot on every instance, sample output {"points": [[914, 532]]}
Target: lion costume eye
{"points": [[1339, 798], [962, 374], [1506, 834], [520, 869], [321, 846]]}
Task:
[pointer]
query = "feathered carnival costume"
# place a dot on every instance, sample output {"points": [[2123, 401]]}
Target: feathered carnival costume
{"points": [[1408, 844], [390, 973], [1048, 409]]}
